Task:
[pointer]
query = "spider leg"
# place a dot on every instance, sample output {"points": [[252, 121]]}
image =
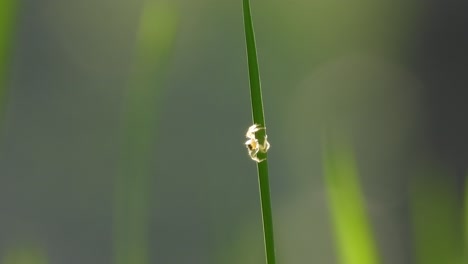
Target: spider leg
{"points": [[252, 130], [266, 145], [258, 160], [253, 153]]}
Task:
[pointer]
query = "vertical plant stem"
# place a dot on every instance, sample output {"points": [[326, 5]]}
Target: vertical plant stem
{"points": [[258, 118]]}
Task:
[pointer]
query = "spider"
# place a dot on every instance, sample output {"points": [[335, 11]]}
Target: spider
{"points": [[252, 143]]}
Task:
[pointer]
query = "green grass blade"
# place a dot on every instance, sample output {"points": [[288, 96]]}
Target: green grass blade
{"points": [[141, 101], [436, 217], [351, 225], [254, 75], [465, 219], [26, 254], [258, 118], [8, 12]]}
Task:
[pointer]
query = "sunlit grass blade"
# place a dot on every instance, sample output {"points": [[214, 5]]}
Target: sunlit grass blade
{"points": [[348, 211], [141, 103], [258, 118], [8, 10]]}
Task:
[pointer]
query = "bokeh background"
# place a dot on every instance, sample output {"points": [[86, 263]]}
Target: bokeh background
{"points": [[122, 126]]}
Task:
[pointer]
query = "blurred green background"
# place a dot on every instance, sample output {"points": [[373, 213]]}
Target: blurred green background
{"points": [[122, 126]]}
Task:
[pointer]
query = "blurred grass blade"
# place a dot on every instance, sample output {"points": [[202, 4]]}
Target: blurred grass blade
{"points": [[437, 228], [8, 10], [351, 225], [465, 223], [25, 255], [258, 118], [141, 103]]}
